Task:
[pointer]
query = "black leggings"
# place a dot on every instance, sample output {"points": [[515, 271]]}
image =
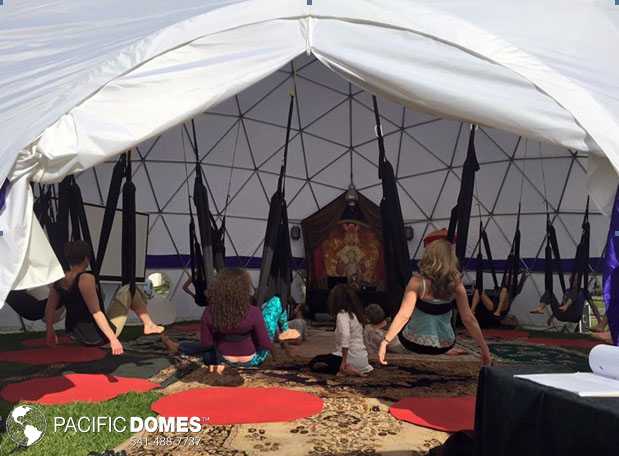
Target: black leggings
{"points": [[326, 364], [423, 349]]}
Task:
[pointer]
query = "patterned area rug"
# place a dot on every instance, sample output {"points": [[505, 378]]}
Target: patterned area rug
{"points": [[355, 419]]}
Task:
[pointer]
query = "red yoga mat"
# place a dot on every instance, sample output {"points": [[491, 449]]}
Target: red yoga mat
{"points": [[227, 405], [447, 414], [74, 388], [574, 343], [188, 327], [54, 355], [42, 342]]}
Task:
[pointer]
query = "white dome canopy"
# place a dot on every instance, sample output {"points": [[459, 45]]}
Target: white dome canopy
{"points": [[84, 81]]}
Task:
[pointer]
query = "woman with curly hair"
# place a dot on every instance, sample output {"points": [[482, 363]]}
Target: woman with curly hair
{"points": [[233, 330], [424, 321], [350, 355]]}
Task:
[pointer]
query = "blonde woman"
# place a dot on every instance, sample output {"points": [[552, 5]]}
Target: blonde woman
{"points": [[424, 321]]}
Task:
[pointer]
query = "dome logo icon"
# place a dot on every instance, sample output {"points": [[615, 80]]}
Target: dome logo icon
{"points": [[26, 425]]}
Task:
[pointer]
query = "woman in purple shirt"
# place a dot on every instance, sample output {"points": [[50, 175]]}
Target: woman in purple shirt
{"points": [[233, 331]]}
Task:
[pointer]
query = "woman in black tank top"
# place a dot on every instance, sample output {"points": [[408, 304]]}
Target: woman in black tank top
{"points": [[86, 321], [80, 323]]}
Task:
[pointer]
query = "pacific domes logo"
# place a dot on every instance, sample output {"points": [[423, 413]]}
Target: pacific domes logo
{"points": [[26, 425]]}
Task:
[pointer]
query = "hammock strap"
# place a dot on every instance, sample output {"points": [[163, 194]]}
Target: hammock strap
{"points": [[110, 209], [379, 137], [281, 183], [196, 263], [128, 264], [484, 238]]}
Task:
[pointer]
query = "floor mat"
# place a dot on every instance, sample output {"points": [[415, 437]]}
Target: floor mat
{"points": [[507, 334], [42, 342], [73, 388], [347, 426], [573, 343], [448, 414], [55, 355], [222, 406], [550, 358], [188, 327]]}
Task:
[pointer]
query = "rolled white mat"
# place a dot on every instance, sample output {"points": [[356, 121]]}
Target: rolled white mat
{"points": [[604, 360]]}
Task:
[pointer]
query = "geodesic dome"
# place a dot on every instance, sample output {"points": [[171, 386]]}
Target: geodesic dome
{"points": [[141, 69], [241, 146]]}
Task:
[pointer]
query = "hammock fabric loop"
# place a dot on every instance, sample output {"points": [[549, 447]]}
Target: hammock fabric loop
{"points": [[275, 271]]}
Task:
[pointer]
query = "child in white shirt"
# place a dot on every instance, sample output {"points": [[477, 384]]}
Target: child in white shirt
{"points": [[350, 356]]}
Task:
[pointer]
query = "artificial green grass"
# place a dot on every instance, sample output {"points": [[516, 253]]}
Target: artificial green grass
{"points": [[80, 444]]}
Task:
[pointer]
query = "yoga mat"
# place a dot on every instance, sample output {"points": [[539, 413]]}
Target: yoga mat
{"points": [[73, 388], [188, 327], [447, 414], [54, 355], [42, 342], [227, 405], [575, 343]]}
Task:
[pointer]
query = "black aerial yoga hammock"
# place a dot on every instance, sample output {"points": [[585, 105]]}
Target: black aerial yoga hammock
{"points": [[513, 277], [219, 233], [397, 259], [275, 272], [70, 208], [549, 298], [200, 198], [219, 243], [122, 170], [128, 268], [26, 305], [196, 260], [23, 302], [577, 294], [461, 213], [113, 195], [196, 257], [45, 211]]}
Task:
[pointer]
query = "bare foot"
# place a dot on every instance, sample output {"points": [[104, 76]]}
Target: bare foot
{"points": [[599, 328], [539, 309], [456, 352], [153, 329], [170, 344], [289, 334], [497, 313], [566, 305], [603, 336], [217, 369]]}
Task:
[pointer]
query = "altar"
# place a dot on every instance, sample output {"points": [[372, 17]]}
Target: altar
{"points": [[343, 244]]}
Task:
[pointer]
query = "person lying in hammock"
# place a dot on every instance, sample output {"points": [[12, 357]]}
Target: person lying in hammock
{"points": [[86, 321], [497, 309], [234, 332], [423, 323]]}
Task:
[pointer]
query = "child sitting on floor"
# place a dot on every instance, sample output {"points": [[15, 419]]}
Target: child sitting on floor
{"points": [[374, 332], [350, 356], [299, 323]]}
